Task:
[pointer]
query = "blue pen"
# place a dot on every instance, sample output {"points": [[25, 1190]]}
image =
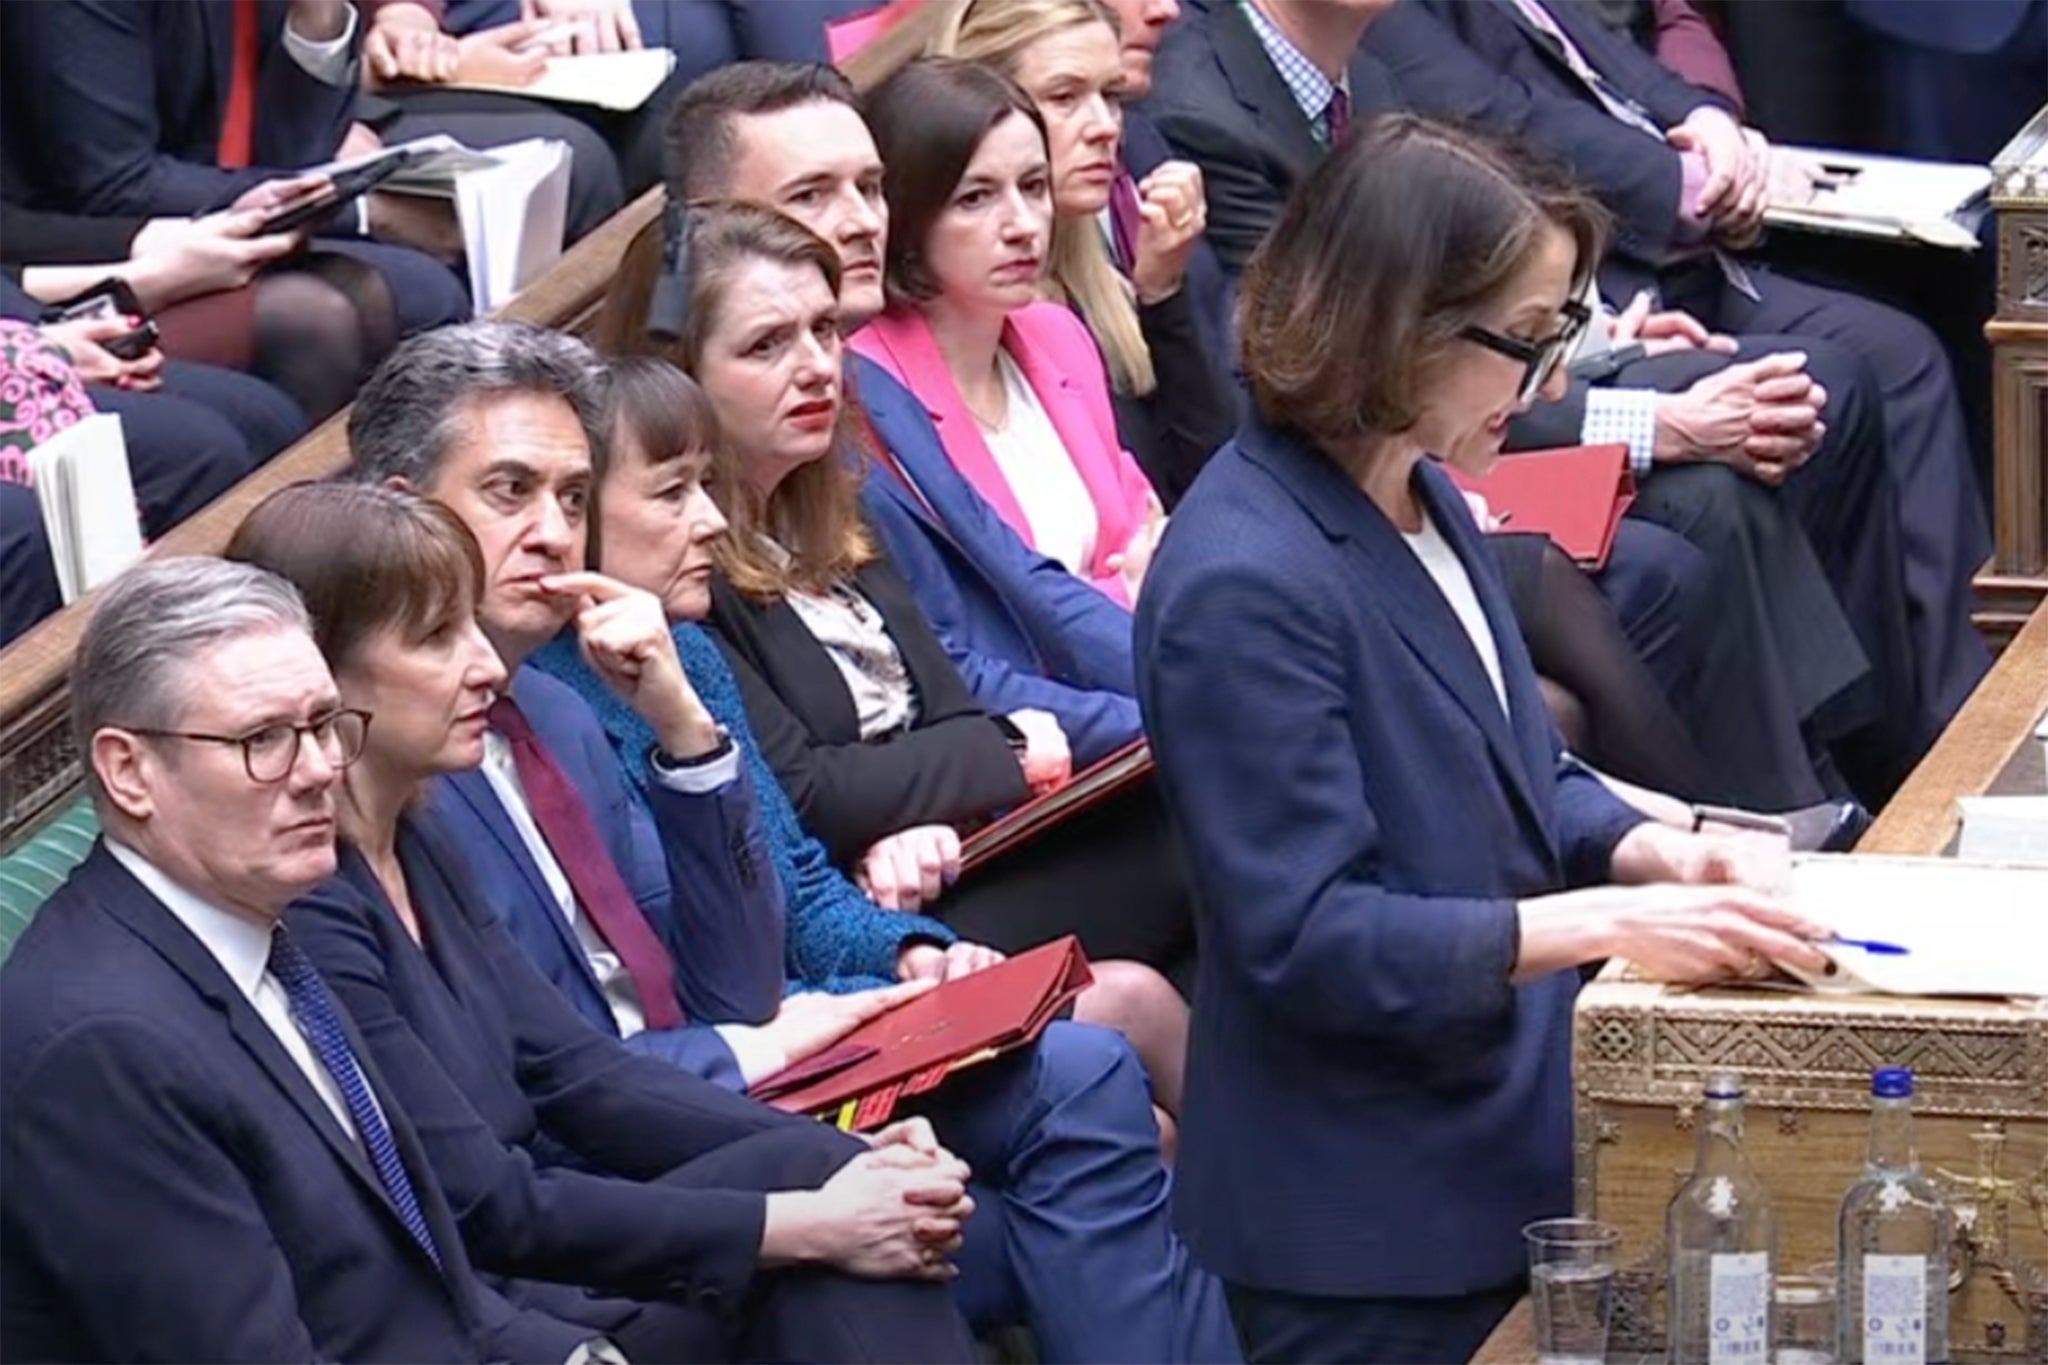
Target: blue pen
{"points": [[1871, 946]]}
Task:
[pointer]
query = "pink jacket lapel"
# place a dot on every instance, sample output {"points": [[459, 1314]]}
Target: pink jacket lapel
{"points": [[901, 343]]}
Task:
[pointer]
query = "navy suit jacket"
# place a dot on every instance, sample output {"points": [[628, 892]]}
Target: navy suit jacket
{"points": [[509, 1088], [1978, 26], [176, 1189], [115, 106], [1220, 102], [1373, 1108], [698, 868], [1145, 147], [1478, 62], [1022, 630]]}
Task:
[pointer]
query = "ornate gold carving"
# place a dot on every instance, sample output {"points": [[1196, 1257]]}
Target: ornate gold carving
{"points": [[1789, 1121], [2030, 266]]}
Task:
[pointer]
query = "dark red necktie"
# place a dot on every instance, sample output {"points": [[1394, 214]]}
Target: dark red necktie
{"points": [[1337, 113], [572, 837], [1124, 219], [238, 122]]}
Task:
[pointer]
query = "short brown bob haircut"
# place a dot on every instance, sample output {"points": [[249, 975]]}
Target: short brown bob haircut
{"points": [[660, 413], [1403, 236], [366, 558], [928, 120]]}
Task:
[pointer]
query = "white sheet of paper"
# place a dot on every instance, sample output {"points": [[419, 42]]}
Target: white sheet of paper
{"points": [[88, 503], [610, 80], [512, 214], [1928, 201], [2004, 829], [1969, 928]]}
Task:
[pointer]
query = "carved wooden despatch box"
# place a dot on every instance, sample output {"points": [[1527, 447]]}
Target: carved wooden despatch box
{"points": [[1641, 1053]]}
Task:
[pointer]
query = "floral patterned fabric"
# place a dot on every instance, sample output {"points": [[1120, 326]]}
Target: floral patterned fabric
{"points": [[40, 395]]}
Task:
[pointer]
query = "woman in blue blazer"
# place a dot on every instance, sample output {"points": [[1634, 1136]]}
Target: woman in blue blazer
{"points": [[1399, 869]]}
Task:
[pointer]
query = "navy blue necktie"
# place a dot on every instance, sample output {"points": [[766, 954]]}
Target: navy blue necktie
{"points": [[314, 1010]]}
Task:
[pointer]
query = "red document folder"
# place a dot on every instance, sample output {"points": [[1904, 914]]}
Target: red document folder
{"points": [[1576, 495], [913, 1048], [1091, 786]]}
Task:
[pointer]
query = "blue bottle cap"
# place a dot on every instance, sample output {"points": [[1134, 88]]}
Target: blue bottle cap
{"points": [[1724, 1085], [1892, 1083]]}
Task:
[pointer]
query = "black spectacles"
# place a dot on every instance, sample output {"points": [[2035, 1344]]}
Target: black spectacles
{"points": [[1539, 358], [270, 752]]}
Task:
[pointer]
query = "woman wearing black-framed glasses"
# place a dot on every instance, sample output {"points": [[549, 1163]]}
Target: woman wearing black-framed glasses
{"points": [[1398, 866]]}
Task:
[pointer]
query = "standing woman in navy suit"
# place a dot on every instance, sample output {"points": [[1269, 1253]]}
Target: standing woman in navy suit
{"points": [[1398, 868]]}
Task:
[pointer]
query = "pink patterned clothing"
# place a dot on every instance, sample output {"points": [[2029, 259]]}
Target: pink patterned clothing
{"points": [[40, 395]]}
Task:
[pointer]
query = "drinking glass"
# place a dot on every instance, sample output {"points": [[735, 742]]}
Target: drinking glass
{"points": [[1571, 1285], [1803, 1331]]}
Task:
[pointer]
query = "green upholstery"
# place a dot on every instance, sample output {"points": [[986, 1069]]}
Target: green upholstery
{"points": [[30, 874]]}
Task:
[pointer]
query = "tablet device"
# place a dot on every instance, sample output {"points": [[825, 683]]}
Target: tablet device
{"points": [[350, 183]]}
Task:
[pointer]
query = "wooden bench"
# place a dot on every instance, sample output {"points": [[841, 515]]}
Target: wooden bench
{"points": [[39, 764]]}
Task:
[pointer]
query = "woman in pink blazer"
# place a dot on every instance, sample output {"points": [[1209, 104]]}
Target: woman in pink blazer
{"points": [[1015, 385]]}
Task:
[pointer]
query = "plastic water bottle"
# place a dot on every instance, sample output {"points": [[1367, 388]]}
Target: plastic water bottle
{"points": [[1894, 1244], [1723, 1238]]}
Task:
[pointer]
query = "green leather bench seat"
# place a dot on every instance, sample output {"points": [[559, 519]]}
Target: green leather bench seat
{"points": [[33, 872]]}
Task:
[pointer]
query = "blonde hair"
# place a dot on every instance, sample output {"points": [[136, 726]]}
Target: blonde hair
{"points": [[997, 32]]}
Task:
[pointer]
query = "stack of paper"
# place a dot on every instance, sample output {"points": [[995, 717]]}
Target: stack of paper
{"points": [[2009, 829], [619, 81], [1967, 928], [1935, 202], [512, 214], [429, 165], [88, 503]]}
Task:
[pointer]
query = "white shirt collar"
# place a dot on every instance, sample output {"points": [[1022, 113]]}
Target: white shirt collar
{"points": [[241, 948]]}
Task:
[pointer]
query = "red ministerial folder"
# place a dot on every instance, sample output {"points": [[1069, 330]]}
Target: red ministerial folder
{"points": [[961, 1022], [1091, 786], [1576, 495]]}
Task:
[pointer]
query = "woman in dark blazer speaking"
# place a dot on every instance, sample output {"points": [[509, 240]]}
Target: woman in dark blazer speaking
{"points": [[1398, 867]]}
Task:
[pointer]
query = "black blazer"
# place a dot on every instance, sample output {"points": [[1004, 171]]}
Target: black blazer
{"points": [[175, 1187], [952, 765], [1172, 431], [513, 1091], [115, 106], [1220, 102]]}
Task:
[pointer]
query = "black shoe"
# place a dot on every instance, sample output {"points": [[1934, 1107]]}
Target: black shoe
{"points": [[1830, 827]]}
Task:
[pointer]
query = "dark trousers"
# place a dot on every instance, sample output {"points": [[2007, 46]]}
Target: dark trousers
{"points": [[1304, 1329], [1072, 1230], [482, 119], [1111, 875], [1945, 537], [188, 442], [786, 1315], [194, 438], [28, 580], [1661, 589], [425, 294]]}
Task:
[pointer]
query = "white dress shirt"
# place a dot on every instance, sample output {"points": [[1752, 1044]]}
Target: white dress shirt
{"points": [[242, 947], [1040, 471], [1448, 572], [328, 62], [755, 1057]]}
